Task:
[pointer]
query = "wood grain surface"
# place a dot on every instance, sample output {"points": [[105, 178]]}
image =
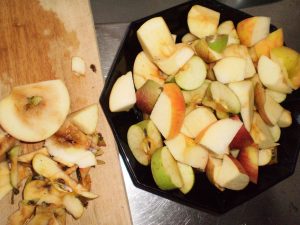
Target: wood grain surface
{"points": [[37, 41]]}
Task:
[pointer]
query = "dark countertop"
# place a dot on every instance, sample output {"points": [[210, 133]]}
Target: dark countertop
{"points": [[280, 205]]}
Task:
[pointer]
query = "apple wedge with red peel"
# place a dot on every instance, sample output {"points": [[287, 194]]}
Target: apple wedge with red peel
{"points": [[276, 95], [285, 119], [122, 96], [143, 139], [169, 111], [188, 177], [225, 97], [188, 38], [264, 156], [196, 121], [212, 169], [253, 29], [232, 175], [186, 151], [202, 21], [245, 92], [147, 95], [227, 27], [164, 170], [248, 157], [192, 75], [205, 52], [222, 130], [34, 112], [242, 139], [230, 69]]}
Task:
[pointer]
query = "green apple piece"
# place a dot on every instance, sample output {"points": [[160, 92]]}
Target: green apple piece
{"points": [[192, 75], [287, 56], [224, 96], [165, 170], [217, 42], [188, 177], [122, 96], [143, 139], [207, 54], [195, 96], [276, 95]]}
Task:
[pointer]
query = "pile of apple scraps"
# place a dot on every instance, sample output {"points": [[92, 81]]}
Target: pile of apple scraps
{"points": [[57, 174], [211, 102]]}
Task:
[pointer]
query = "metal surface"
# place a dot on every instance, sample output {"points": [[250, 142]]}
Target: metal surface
{"points": [[279, 205]]}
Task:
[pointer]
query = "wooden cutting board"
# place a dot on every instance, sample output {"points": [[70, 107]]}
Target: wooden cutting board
{"points": [[37, 41]]}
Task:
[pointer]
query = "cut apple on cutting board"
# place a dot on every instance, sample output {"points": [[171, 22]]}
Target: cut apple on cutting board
{"points": [[34, 112]]}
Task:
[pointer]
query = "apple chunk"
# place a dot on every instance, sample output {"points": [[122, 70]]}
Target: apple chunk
{"points": [[188, 177], [143, 139], [165, 170], [205, 52], [212, 171], [227, 27], [264, 156], [285, 119], [34, 112], [232, 175], [277, 96], [122, 96], [242, 139]]}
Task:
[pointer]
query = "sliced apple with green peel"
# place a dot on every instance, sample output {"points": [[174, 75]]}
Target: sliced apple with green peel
{"points": [[73, 205], [287, 56], [165, 170], [224, 96], [195, 97], [147, 95], [144, 69], [276, 95], [186, 151], [285, 119], [227, 27], [143, 139], [232, 175], [230, 69], [202, 21], [122, 96], [196, 121], [34, 112], [264, 156], [217, 42], [188, 177], [188, 38], [212, 171], [222, 130], [192, 75], [207, 54]]}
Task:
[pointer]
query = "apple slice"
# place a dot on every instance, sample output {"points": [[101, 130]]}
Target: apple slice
{"points": [[195, 97], [186, 151], [271, 75], [264, 156], [205, 52], [217, 42], [253, 29], [73, 205], [188, 38], [27, 158], [147, 95], [86, 119], [285, 119], [192, 75], [143, 139], [232, 175], [14, 176], [227, 27], [156, 39], [33, 112], [260, 133], [202, 21], [230, 69], [144, 69], [248, 157], [122, 96], [196, 121], [224, 96], [275, 131], [165, 170], [245, 92], [169, 111], [188, 177], [242, 139], [6, 143], [277, 96], [222, 130], [212, 171]]}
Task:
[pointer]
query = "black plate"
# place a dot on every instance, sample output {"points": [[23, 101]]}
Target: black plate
{"points": [[204, 196]]}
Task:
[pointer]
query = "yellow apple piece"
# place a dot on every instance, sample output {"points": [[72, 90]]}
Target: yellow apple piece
{"points": [[144, 69], [253, 29], [276, 95], [230, 69], [222, 130], [212, 171], [27, 158], [196, 121], [245, 92], [202, 21], [285, 119], [227, 27], [188, 177], [169, 111], [205, 52], [273, 40], [33, 112], [264, 156], [156, 39], [188, 38], [275, 131], [122, 96], [73, 205], [186, 151]]}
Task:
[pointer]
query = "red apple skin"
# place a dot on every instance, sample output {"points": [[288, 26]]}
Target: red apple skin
{"points": [[242, 139], [248, 157]]}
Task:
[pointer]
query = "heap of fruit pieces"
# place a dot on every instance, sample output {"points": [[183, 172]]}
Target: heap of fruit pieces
{"points": [[215, 98], [57, 175]]}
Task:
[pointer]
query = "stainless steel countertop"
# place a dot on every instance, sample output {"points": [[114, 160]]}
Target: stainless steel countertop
{"points": [[279, 205]]}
